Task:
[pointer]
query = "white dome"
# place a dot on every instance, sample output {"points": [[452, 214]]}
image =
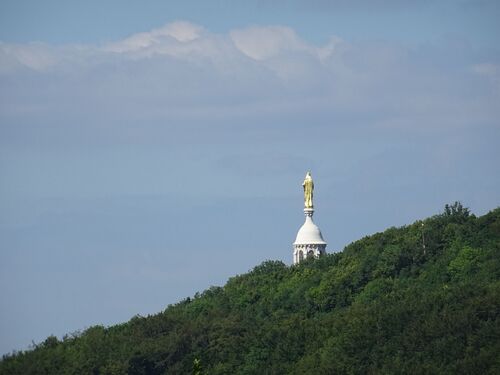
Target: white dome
{"points": [[309, 234]]}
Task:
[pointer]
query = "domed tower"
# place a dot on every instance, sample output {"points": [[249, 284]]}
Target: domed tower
{"points": [[309, 241]]}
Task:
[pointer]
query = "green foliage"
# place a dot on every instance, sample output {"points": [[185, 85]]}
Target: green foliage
{"points": [[197, 368], [466, 263], [421, 299]]}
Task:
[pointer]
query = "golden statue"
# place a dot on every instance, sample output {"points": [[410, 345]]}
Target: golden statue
{"points": [[308, 186]]}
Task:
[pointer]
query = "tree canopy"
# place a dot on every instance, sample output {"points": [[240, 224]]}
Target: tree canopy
{"points": [[420, 299]]}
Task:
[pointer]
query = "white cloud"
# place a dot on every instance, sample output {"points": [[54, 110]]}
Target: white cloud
{"points": [[262, 43], [179, 31], [35, 56], [183, 72], [266, 42], [275, 48]]}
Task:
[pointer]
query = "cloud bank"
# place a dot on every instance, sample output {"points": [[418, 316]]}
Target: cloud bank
{"points": [[252, 97], [183, 72]]}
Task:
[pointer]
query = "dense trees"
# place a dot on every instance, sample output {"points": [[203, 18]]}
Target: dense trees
{"points": [[424, 298]]}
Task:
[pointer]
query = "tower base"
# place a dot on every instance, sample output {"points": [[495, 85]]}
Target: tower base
{"points": [[301, 252]]}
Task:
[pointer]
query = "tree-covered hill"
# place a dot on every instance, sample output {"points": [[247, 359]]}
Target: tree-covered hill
{"points": [[421, 299]]}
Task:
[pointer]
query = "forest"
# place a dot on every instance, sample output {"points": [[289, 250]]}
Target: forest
{"points": [[419, 299]]}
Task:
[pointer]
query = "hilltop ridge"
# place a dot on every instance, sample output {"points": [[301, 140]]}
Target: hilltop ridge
{"points": [[422, 298]]}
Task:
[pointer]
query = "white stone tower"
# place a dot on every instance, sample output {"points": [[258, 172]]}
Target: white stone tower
{"points": [[309, 241]]}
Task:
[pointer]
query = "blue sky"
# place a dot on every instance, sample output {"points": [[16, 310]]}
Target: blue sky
{"points": [[72, 21], [149, 150]]}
